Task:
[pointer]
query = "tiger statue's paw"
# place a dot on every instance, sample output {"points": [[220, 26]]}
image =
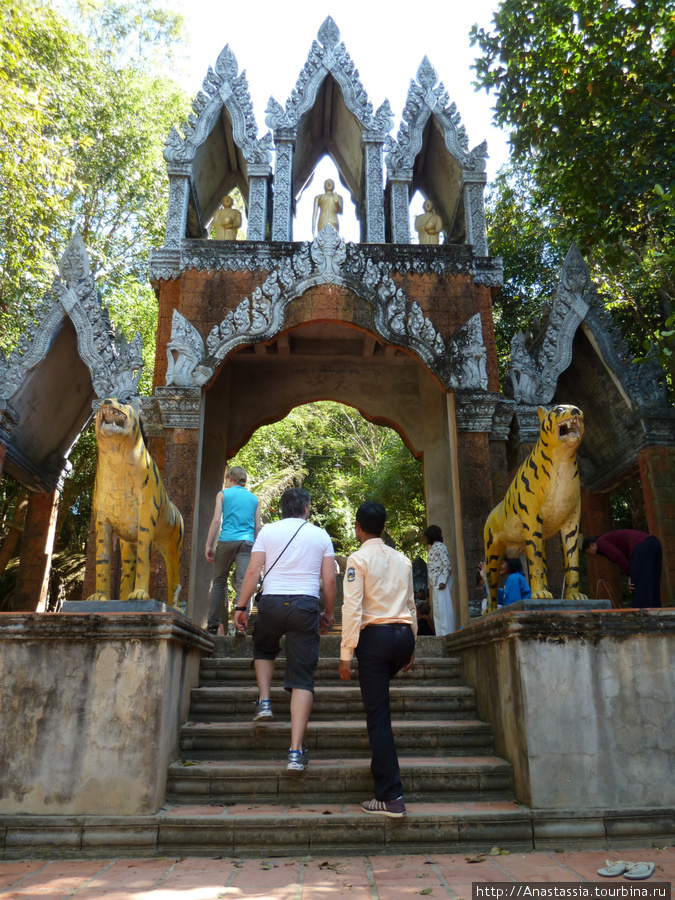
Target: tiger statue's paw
{"points": [[575, 595], [542, 595], [138, 595], [98, 596]]}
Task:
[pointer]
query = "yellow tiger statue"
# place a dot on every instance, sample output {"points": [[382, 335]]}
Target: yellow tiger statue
{"points": [[130, 500], [543, 498]]}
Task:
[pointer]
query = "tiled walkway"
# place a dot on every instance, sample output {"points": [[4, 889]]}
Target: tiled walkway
{"points": [[358, 878]]}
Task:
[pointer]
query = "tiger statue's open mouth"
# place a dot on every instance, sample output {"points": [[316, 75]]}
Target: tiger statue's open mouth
{"points": [[571, 429], [112, 419]]}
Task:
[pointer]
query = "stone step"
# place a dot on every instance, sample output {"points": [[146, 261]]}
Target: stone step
{"points": [[241, 646], [225, 703], [231, 740], [240, 670], [326, 829], [336, 780]]}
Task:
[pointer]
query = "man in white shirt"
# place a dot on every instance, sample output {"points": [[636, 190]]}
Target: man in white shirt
{"points": [[295, 555], [379, 625]]}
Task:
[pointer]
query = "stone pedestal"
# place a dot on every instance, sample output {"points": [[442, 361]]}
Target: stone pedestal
{"points": [[580, 702], [91, 708]]}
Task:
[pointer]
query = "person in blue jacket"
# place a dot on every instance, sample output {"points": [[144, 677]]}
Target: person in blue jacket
{"points": [[516, 586]]}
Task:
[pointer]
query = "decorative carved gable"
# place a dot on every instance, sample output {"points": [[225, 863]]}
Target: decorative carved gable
{"points": [[115, 365]]}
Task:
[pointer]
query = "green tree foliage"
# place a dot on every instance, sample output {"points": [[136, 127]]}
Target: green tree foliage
{"points": [[532, 252], [83, 120], [85, 107], [587, 91], [342, 460]]}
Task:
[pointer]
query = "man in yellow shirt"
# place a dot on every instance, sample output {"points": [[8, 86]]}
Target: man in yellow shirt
{"points": [[379, 626]]}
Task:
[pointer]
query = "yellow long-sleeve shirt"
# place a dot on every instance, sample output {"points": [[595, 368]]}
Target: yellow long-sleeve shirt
{"points": [[378, 590]]}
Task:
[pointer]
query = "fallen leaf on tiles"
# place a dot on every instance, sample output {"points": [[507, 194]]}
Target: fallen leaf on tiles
{"points": [[265, 866], [188, 762], [399, 865], [429, 862], [495, 851], [216, 857], [426, 892], [475, 859], [326, 812], [423, 875], [506, 853], [329, 865]]}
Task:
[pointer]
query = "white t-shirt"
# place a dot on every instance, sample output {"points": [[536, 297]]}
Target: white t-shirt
{"points": [[299, 568]]}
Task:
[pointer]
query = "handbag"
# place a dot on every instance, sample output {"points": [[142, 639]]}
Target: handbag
{"points": [[259, 589]]}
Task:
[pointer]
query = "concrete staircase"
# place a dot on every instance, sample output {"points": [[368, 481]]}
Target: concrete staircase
{"points": [[230, 790]]}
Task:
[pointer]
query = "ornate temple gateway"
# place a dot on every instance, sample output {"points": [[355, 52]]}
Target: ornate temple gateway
{"points": [[402, 331], [96, 743]]}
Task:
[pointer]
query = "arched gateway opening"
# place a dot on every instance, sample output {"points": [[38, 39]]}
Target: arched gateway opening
{"points": [[325, 360]]}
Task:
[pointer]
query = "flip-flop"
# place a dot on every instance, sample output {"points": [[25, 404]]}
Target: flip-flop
{"points": [[614, 868], [639, 871]]}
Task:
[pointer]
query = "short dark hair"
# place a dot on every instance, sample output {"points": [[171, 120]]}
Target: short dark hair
{"points": [[294, 501], [433, 533], [513, 564], [371, 517], [587, 543]]}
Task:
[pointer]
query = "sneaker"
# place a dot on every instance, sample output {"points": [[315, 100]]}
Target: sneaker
{"points": [[263, 710], [297, 760], [395, 809]]}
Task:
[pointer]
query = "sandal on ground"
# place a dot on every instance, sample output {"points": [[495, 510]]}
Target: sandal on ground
{"points": [[639, 871], [614, 868]]}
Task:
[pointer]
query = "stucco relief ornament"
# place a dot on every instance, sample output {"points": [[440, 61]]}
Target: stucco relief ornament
{"points": [[328, 260], [327, 55], [328, 254], [427, 97], [522, 375], [185, 352], [467, 354], [221, 88]]}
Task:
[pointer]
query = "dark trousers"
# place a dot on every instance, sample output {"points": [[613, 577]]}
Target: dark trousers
{"points": [[381, 652], [645, 573]]}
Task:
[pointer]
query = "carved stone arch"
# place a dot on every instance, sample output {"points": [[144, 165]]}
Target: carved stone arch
{"points": [[431, 154], [218, 150], [328, 260], [329, 100], [329, 357]]}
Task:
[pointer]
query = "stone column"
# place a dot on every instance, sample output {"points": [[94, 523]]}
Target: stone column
{"points": [[473, 184], [181, 414], [474, 412], [399, 207], [499, 436], [374, 192], [282, 209], [37, 544], [258, 181], [657, 473], [604, 580], [179, 198]]}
